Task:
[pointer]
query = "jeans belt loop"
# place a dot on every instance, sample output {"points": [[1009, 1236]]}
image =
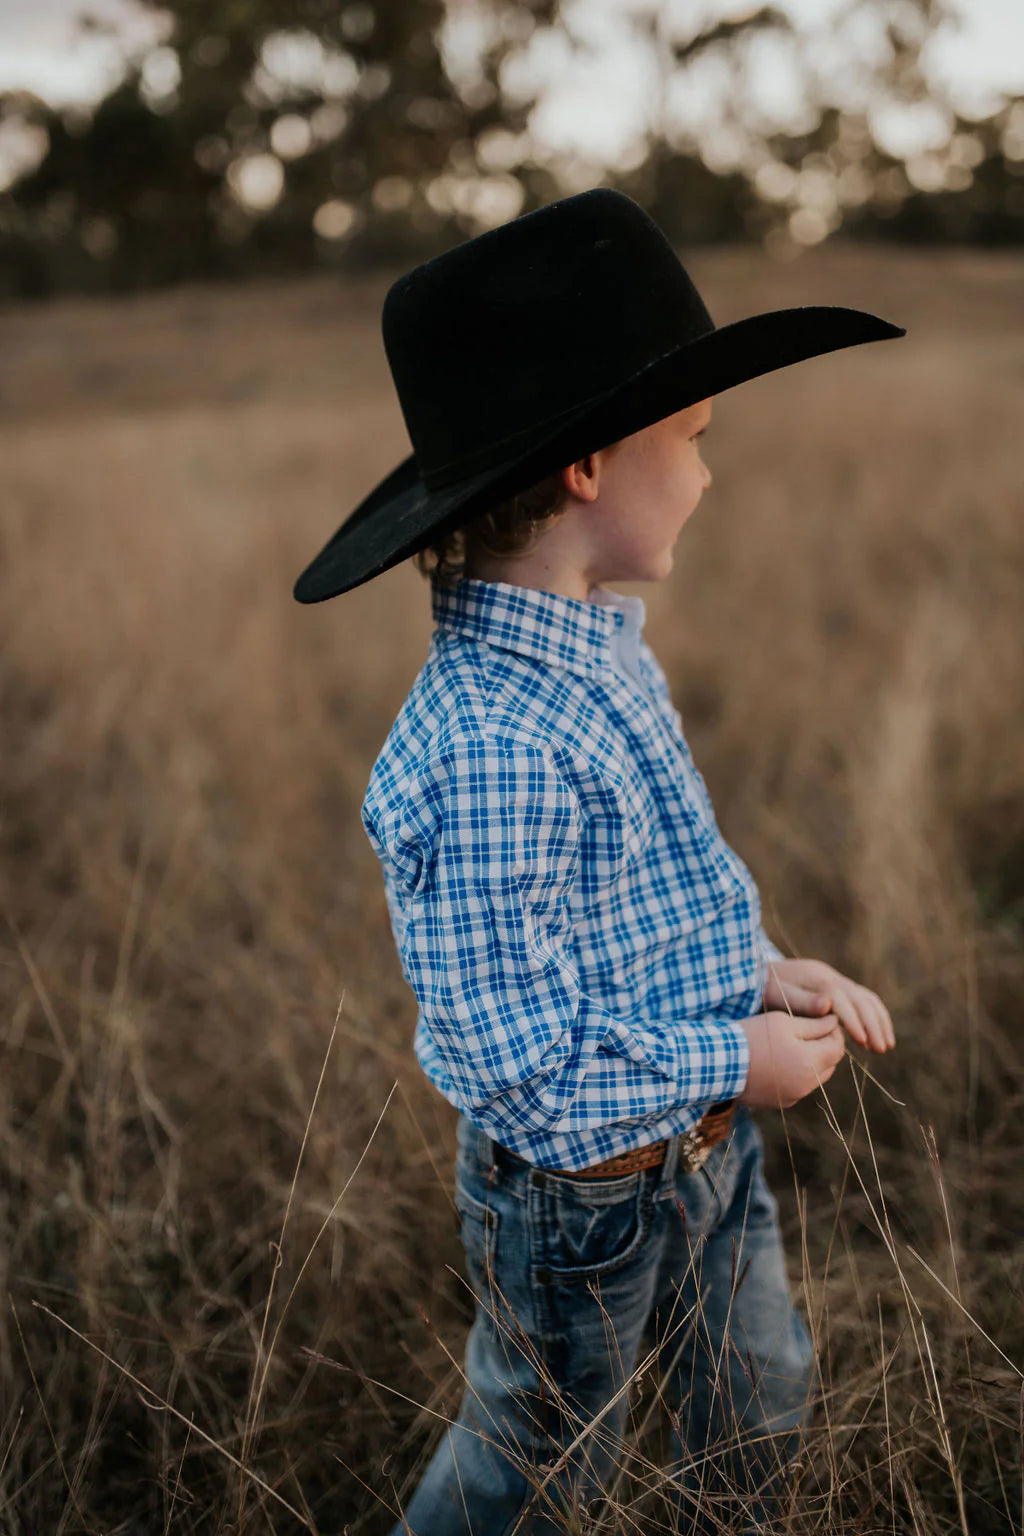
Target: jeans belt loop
{"points": [[668, 1168]]}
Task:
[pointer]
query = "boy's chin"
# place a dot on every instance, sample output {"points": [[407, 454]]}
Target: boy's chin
{"points": [[660, 568]]}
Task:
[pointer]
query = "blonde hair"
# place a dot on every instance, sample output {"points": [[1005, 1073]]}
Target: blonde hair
{"points": [[506, 529]]}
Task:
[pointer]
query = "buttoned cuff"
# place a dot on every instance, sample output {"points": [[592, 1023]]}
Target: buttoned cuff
{"points": [[734, 1077]]}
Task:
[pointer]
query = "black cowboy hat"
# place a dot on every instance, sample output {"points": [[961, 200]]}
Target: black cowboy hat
{"points": [[541, 341]]}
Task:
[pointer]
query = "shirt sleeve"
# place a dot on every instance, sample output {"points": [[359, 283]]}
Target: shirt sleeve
{"points": [[491, 857]]}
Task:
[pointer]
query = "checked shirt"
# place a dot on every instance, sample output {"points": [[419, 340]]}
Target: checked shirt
{"points": [[580, 939]]}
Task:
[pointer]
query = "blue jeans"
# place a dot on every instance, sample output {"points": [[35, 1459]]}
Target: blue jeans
{"points": [[579, 1284]]}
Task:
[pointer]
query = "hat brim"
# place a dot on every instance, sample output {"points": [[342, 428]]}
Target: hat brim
{"points": [[402, 514]]}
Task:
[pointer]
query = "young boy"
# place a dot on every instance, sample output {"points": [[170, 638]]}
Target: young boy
{"points": [[596, 994]]}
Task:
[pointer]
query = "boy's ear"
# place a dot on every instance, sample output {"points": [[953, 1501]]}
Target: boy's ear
{"points": [[581, 479]]}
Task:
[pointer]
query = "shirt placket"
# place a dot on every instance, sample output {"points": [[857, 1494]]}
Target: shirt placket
{"points": [[678, 783]]}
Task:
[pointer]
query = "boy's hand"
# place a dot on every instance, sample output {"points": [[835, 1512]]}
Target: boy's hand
{"points": [[812, 989], [789, 1057]]}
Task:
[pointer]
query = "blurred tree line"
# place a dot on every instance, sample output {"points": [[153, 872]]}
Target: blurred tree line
{"points": [[265, 136]]}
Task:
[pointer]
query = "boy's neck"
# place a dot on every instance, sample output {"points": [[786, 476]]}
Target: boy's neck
{"points": [[544, 567], [515, 576]]}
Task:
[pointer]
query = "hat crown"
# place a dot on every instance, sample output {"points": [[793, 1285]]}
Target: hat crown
{"points": [[502, 335]]}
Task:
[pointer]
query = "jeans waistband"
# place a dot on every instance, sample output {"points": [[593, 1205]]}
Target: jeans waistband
{"points": [[489, 1153]]}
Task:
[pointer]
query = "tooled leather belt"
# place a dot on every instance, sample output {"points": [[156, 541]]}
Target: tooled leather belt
{"points": [[694, 1146]]}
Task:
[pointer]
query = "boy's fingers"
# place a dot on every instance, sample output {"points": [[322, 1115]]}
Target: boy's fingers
{"points": [[818, 1029], [883, 1023], [874, 1018], [831, 1049], [849, 1017], [879, 1035], [868, 1023], [860, 1012], [804, 1000], [890, 1033]]}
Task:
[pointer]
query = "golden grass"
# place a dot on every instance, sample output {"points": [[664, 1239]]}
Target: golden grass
{"points": [[187, 896]]}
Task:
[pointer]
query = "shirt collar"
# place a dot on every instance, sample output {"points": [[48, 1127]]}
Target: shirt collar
{"points": [[561, 631], [625, 642]]}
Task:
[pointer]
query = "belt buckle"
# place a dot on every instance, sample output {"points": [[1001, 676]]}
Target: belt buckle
{"points": [[695, 1150]]}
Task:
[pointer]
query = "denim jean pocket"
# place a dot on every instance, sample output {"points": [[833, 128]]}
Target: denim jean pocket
{"points": [[595, 1228], [478, 1228], [478, 1225], [720, 1175]]}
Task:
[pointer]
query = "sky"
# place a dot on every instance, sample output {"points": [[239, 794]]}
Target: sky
{"points": [[598, 106], [39, 49]]}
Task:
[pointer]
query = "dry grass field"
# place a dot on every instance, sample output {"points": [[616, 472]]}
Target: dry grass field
{"points": [[227, 1237]]}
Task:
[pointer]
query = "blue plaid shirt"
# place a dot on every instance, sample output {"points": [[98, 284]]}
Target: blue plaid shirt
{"points": [[580, 939]]}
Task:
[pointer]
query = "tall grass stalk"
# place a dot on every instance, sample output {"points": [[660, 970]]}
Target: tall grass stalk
{"points": [[235, 1298]]}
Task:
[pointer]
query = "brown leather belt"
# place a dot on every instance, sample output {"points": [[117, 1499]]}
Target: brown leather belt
{"points": [[694, 1146]]}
